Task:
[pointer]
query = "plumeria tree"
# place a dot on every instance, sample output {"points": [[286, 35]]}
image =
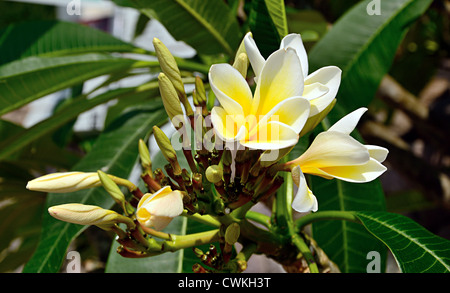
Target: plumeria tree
{"points": [[266, 122]]}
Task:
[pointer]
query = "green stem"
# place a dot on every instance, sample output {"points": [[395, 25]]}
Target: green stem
{"points": [[186, 241], [298, 241], [259, 218], [300, 223], [204, 219]]}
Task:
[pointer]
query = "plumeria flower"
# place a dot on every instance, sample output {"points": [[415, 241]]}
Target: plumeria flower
{"points": [[319, 88], [273, 117], [335, 154], [158, 209]]}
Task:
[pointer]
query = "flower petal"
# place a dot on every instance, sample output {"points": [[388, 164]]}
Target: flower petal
{"points": [[231, 89], [295, 41], [165, 205], [358, 173], [293, 111], [273, 135], [281, 78], [377, 152], [256, 59], [329, 77], [333, 148], [348, 123], [304, 200], [314, 93], [227, 127]]}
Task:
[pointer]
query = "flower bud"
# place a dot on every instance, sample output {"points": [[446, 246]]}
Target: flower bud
{"points": [[170, 68], [64, 182], [170, 100], [89, 215], [144, 155], [214, 173], [167, 149], [241, 64], [158, 209], [200, 90], [113, 189]]}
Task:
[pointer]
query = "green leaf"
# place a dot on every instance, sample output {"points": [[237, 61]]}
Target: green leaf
{"points": [[25, 80], [263, 28], [346, 243], [277, 13], [13, 143], [208, 26], [364, 46], [55, 38], [415, 249], [115, 152]]}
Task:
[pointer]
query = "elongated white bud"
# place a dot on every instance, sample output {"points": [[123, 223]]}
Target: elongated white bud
{"points": [[88, 215], [64, 182]]}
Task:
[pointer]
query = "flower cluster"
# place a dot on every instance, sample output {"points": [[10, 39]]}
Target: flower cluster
{"points": [[251, 132]]}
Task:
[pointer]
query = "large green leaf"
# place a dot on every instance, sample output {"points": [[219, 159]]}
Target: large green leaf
{"points": [[25, 80], [208, 26], [115, 152], [415, 249], [364, 46], [277, 13], [14, 142], [55, 38], [347, 243], [263, 28]]}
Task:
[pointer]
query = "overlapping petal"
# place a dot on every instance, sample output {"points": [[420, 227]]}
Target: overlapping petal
{"points": [[280, 78], [304, 199]]}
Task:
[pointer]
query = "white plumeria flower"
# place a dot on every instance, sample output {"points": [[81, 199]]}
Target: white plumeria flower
{"points": [[335, 154], [320, 87], [157, 210], [64, 182], [274, 116]]}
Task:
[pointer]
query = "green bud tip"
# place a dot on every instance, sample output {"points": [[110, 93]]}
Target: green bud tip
{"points": [[144, 155]]}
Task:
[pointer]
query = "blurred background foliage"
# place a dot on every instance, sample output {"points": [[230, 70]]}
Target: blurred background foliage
{"points": [[409, 115]]}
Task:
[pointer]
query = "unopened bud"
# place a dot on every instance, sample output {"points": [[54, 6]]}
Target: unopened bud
{"points": [[144, 155], [170, 68], [113, 189], [64, 182], [167, 149], [89, 215], [170, 101], [241, 64], [200, 90], [158, 209], [214, 173]]}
